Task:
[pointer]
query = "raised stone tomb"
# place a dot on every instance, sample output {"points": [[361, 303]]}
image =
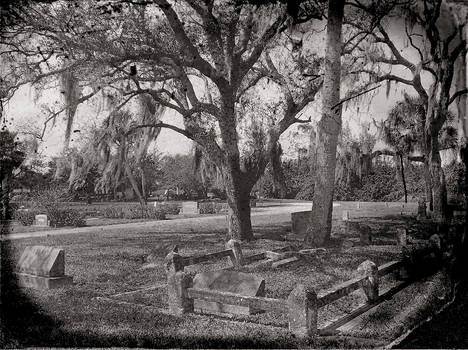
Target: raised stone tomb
{"points": [[301, 220], [42, 267], [228, 281]]}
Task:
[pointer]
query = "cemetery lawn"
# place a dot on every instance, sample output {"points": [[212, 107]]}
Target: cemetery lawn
{"points": [[101, 309]]}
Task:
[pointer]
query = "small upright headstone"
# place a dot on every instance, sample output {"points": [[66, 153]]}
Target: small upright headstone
{"points": [[42, 267], [421, 209], [365, 233], [228, 281], [189, 208], [345, 215], [402, 236], [41, 220]]}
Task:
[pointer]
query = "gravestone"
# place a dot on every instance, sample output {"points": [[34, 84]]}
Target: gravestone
{"points": [[402, 236], [41, 220], [301, 221], [42, 267], [365, 234], [189, 208], [345, 215], [421, 209], [228, 281]]}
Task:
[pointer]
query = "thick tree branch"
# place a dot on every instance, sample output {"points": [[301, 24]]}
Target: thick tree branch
{"points": [[457, 94]]}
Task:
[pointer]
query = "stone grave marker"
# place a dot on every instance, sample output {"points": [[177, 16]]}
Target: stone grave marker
{"points": [[41, 220], [228, 281], [42, 267], [402, 236], [345, 215], [365, 234], [421, 209], [300, 220], [189, 207]]}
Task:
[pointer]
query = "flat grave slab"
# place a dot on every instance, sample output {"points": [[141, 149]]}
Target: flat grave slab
{"points": [[228, 281], [42, 267], [284, 262]]}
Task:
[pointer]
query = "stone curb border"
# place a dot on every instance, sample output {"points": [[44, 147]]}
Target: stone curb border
{"points": [[405, 335]]}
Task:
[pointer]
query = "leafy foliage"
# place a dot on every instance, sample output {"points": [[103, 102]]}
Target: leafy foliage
{"points": [[455, 174], [135, 211], [212, 207], [57, 217]]}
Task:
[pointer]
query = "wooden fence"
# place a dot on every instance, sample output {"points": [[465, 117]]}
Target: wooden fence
{"points": [[303, 302]]}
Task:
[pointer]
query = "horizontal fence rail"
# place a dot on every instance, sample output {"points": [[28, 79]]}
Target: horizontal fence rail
{"points": [[262, 303], [385, 269], [260, 256], [339, 291], [193, 260], [303, 303]]}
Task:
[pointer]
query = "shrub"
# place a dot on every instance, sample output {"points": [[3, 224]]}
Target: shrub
{"points": [[57, 217], [455, 178], [135, 211], [66, 217], [211, 207], [168, 208], [25, 217]]}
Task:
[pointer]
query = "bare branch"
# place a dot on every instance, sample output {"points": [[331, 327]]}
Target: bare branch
{"points": [[357, 95], [457, 94]]}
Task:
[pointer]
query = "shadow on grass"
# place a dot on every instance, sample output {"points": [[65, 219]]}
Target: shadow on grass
{"points": [[21, 319]]}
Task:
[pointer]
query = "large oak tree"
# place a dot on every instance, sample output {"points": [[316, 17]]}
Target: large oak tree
{"points": [[197, 58]]}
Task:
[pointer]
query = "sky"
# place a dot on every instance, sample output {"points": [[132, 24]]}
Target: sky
{"points": [[23, 112]]}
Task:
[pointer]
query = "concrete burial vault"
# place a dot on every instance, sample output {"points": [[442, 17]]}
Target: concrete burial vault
{"points": [[42, 267], [228, 281]]}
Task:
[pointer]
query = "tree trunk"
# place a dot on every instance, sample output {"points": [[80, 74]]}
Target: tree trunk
{"points": [[328, 130], [238, 199], [279, 182], [439, 191], [134, 184], [5, 197], [61, 162], [403, 180], [143, 184], [428, 183]]}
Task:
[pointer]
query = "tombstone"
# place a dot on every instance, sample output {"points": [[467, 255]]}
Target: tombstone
{"points": [[345, 215], [421, 209], [365, 234], [41, 220], [189, 207], [42, 267], [301, 221], [228, 281], [402, 236]]}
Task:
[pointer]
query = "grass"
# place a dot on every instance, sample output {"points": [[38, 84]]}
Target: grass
{"points": [[106, 264]]}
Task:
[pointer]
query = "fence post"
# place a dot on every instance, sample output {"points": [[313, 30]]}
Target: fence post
{"points": [[302, 311], [370, 284], [237, 258], [177, 284]]}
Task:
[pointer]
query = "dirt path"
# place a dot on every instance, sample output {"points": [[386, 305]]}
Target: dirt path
{"points": [[260, 216], [275, 213]]}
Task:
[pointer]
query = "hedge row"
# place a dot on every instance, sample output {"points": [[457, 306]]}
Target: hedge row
{"points": [[136, 211], [57, 217]]}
